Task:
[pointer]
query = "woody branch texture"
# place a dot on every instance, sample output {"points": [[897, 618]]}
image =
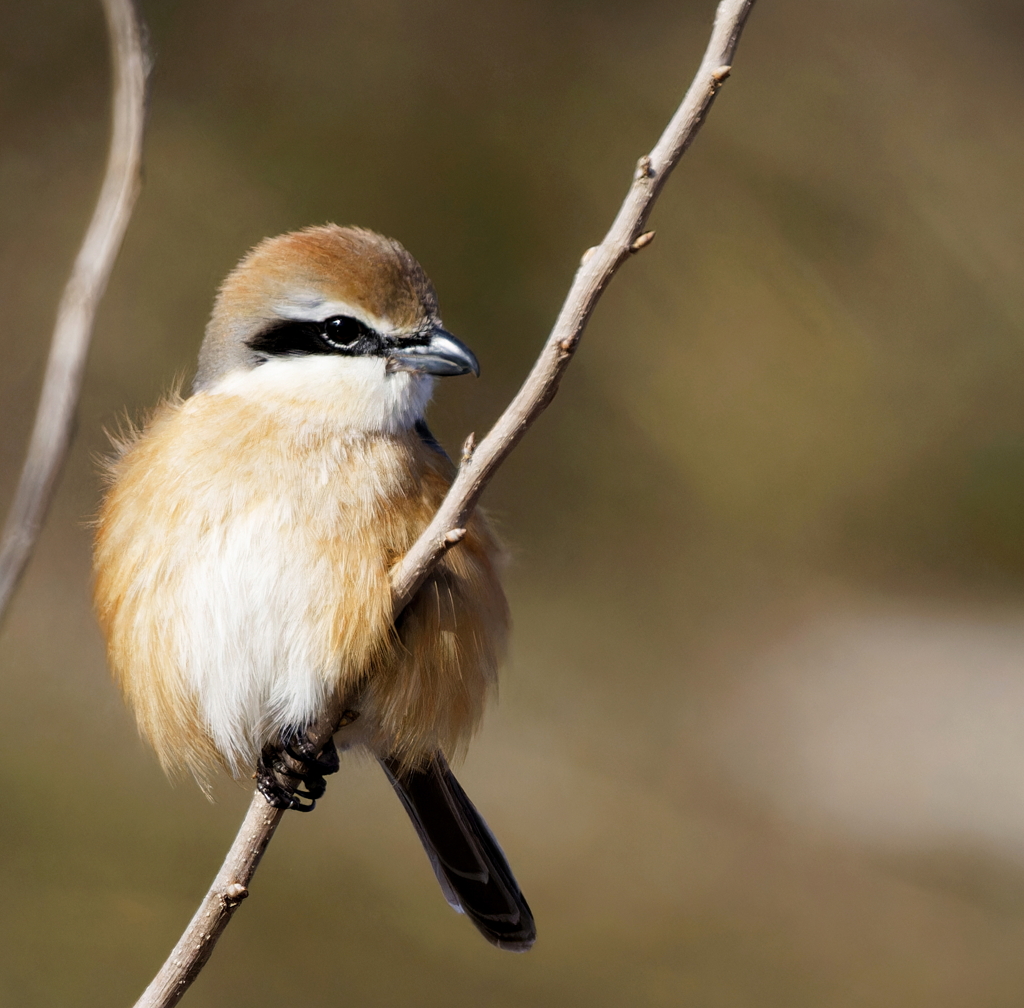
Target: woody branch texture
{"points": [[76, 313], [600, 263]]}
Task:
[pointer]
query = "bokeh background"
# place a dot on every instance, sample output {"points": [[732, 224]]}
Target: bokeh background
{"points": [[761, 735]]}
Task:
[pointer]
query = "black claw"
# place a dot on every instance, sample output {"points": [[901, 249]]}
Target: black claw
{"points": [[316, 787], [321, 764], [279, 782], [268, 785], [279, 797]]}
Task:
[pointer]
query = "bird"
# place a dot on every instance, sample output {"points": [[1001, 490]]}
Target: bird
{"points": [[245, 537]]}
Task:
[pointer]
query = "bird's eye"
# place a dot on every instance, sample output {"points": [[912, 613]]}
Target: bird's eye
{"points": [[343, 330]]}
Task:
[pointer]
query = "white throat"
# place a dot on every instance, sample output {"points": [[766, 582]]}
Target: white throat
{"points": [[356, 393]]}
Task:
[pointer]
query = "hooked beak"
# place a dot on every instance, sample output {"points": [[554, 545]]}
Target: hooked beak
{"points": [[443, 355]]}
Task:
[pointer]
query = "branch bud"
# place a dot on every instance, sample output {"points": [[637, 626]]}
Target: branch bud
{"points": [[644, 240]]}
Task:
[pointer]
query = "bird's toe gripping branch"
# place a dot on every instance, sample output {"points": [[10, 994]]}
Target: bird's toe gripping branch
{"points": [[290, 774]]}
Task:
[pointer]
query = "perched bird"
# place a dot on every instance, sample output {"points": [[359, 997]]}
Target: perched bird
{"points": [[244, 544]]}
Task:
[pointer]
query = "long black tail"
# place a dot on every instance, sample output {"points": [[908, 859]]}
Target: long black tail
{"points": [[470, 866]]}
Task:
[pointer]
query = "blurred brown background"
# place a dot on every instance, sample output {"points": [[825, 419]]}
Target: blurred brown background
{"points": [[761, 736]]}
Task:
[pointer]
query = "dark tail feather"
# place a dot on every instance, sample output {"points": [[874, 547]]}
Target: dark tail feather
{"points": [[470, 866]]}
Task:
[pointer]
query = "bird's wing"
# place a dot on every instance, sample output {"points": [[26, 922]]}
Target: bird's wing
{"points": [[427, 437], [470, 866]]}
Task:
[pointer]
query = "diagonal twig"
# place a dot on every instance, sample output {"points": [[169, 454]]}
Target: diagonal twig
{"points": [[599, 265], [62, 381], [478, 466]]}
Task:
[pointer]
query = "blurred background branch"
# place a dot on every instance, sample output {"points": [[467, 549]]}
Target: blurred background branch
{"points": [[231, 886], [76, 313]]}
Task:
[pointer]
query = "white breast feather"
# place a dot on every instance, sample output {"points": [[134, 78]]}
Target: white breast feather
{"points": [[255, 592]]}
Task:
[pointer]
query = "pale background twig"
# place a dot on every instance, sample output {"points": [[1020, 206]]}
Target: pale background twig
{"points": [[76, 314], [230, 886]]}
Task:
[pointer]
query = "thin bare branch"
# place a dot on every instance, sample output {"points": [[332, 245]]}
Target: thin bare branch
{"points": [[598, 267], [62, 382], [229, 888], [479, 463]]}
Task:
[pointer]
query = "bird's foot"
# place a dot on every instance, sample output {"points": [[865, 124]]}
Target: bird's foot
{"points": [[290, 775]]}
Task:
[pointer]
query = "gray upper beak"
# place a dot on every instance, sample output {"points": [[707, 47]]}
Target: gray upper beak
{"points": [[443, 355]]}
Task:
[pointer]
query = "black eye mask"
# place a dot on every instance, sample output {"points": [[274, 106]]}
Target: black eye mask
{"points": [[340, 334]]}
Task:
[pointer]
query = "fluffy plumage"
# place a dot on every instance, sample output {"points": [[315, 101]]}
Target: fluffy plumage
{"points": [[244, 545], [243, 548]]}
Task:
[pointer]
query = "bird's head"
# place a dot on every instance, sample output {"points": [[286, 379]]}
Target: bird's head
{"points": [[330, 311]]}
